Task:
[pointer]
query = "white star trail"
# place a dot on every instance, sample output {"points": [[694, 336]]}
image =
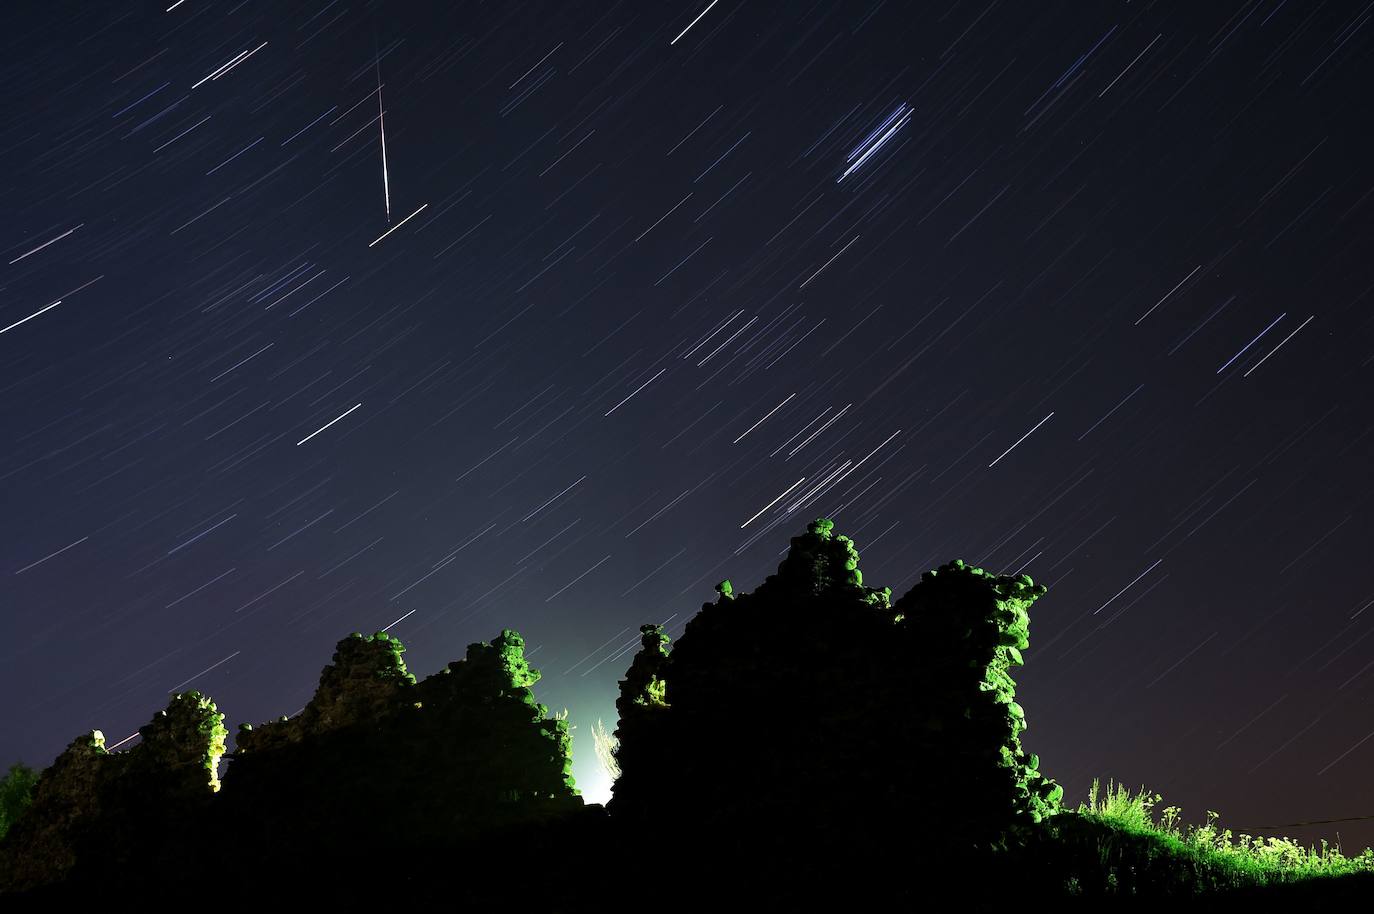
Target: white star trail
{"points": [[399, 224], [204, 671], [228, 65], [1276, 348], [1127, 587], [576, 579], [828, 262], [694, 21], [50, 555], [44, 245], [1128, 66], [552, 500], [1019, 440], [388, 626], [635, 391], [773, 502], [761, 421], [32, 316], [1167, 294], [325, 426], [1253, 342], [904, 115]]}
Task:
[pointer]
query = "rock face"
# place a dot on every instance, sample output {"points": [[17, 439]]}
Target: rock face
{"points": [[815, 700], [93, 805]]}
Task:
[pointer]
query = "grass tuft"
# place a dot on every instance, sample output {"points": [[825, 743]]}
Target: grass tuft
{"points": [[1248, 859]]}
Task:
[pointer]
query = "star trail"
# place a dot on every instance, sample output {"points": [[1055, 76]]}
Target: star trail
{"points": [[443, 318]]}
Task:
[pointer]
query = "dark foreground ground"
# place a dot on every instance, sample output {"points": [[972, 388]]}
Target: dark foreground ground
{"points": [[587, 863]]}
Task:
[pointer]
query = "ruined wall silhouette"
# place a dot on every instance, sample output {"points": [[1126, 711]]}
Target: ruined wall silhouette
{"points": [[91, 804], [375, 762], [816, 699], [812, 713]]}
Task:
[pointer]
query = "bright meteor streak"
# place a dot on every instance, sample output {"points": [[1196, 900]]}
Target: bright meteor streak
{"points": [[386, 181], [381, 120]]}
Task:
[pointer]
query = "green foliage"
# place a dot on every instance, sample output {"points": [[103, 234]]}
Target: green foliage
{"points": [[820, 563], [643, 685], [190, 731], [642, 703], [909, 709], [1254, 860], [16, 793], [967, 628], [365, 680], [510, 650]]}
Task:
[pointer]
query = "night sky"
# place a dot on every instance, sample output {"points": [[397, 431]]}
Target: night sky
{"points": [[445, 318]]}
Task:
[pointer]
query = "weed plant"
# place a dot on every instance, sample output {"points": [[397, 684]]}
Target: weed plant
{"points": [[1114, 845]]}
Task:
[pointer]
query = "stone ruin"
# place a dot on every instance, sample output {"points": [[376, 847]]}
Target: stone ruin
{"points": [[816, 702], [380, 761], [374, 761], [92, 804], [811, 718]]}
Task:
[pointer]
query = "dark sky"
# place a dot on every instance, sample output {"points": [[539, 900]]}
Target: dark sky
{"points": [[613, 298]]}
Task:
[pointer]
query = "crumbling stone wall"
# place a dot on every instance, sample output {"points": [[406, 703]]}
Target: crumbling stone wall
{"points": [[178, 753], [366, 681], [815, 699], [964, 628], [94, 810], [375, 762], [641, 705], [41, 847], [378, 760], [482, 709]]}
